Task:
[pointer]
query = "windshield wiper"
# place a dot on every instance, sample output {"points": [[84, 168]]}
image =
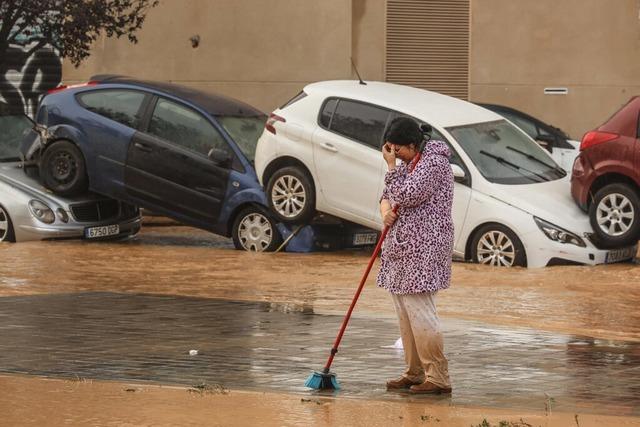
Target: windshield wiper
{"points": [[515, 167], [557, 169]]}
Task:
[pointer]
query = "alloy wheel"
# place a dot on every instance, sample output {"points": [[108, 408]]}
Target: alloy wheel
{"points": [[615, 214], [288, 196], [255, 232], [496, 248]]}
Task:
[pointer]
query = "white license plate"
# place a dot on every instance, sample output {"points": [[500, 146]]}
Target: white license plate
{"points": [[365, 238], [104, 231], [621, 254]]}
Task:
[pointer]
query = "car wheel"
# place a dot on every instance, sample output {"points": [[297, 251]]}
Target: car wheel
{"points": [[6, 228], [497, 245], [615, 215], [63, 169], [254, 231], [291, 195]]}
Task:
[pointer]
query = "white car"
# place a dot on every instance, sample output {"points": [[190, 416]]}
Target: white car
{"points": [[512, 202]]}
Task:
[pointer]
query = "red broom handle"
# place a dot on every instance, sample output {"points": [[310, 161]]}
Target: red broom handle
{"points": [[347, 316], [376, 251]]}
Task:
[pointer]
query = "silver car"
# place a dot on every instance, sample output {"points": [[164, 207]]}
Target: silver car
{"points": [[28, 211]]}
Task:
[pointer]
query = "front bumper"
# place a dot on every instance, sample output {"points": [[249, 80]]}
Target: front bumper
{"points": [[542, 252], [27, 232]]}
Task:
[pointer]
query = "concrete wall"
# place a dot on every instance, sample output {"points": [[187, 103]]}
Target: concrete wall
{"points": [[368, 38], [262, 52], [591, 47]]}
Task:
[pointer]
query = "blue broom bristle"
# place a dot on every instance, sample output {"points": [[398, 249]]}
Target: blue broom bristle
{"points": [[322, 381], [314, 380]]}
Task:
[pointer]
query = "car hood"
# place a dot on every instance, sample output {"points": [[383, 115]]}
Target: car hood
{"points": [[550, 201], [12, 174]]}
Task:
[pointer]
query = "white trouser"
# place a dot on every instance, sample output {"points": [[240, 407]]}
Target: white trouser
{"points": [[421, 338]]}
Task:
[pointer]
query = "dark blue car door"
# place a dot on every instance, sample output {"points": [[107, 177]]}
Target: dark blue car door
{"points": [[168, 168]]}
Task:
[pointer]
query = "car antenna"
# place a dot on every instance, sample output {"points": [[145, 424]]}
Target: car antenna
{"points": [[357, 73]]}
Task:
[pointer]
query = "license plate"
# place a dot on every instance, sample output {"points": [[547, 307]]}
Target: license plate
{"points": [[104, 231], [621, 254], [365, 238]]}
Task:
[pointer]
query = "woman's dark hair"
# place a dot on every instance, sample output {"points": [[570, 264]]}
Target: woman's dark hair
{"points": [[404, 131]]}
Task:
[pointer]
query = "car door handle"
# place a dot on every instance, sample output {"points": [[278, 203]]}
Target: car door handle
{"points": [[329, 147], [142, 147]]}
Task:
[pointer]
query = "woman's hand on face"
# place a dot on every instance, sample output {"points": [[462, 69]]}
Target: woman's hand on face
{"points": [[389, 155], [389, 218]]}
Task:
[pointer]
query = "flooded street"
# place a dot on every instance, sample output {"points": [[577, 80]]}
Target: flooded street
{"points": [[598, 301], [175, 320]]}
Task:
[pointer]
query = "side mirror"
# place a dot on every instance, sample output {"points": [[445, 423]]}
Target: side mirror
{"points": [[219, 157], [458, 173]]}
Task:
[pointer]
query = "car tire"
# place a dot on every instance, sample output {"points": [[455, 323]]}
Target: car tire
{"points": [[6, 227], [254, 230], [614, 214], [291, 195], [63, 169], [497, 245]]}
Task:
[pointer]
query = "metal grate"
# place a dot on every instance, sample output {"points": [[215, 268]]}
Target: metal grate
{"points": [[101, 210], [428, 45]]}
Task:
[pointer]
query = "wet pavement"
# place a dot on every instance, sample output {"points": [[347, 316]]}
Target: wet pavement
{"points": [[273, 346], [598, 301]]}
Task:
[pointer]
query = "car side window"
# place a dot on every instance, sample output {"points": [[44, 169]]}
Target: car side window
{"points": [[362, 122], [454, 159], [327, 113], [122, 106], [185, 127]]}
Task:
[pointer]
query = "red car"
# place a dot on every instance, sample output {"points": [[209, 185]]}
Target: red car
{"points": [[606, 177]]}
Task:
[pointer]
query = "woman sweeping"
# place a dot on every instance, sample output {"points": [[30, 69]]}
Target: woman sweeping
{"points": [[416, 256]]}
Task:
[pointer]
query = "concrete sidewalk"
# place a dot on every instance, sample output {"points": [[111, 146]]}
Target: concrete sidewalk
{"points": [[261, 346]]}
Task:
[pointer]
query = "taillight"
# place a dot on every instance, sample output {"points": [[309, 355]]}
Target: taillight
{"points": [[271, 121], [64, 87], [596, 137]]}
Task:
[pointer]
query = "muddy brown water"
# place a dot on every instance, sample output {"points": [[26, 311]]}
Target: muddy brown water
{"points": [[598, 301]]}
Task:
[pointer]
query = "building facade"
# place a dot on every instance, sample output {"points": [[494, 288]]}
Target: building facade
{"points": [[571, 63]]}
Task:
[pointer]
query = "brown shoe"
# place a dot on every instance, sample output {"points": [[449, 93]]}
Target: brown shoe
{"points": [[401, 383], [429, 388]]}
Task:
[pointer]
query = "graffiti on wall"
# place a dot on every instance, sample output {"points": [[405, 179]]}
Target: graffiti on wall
{"points": [[25, 77]]}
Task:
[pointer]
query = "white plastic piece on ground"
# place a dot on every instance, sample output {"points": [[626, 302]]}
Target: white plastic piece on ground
{"points": [[396, 345], [193, 352]]}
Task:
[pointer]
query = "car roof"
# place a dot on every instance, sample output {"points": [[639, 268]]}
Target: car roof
{"points": [[432, 107], [216, 105]]}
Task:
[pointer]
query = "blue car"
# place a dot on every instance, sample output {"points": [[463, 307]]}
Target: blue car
{"points": [[174, 150]]}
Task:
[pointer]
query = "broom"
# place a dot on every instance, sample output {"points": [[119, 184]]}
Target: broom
{"points": [[325, 379]]}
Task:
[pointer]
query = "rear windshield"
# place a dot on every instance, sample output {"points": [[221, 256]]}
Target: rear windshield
{"points": [[13, 128], [245, 131]]}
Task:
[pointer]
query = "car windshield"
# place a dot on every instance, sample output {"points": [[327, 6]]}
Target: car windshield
{"points": [[504, 155], [245, 131], [12, 128]]}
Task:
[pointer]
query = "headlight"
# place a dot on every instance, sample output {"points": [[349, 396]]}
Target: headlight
{"points": [[41, 211], [558, 234]]}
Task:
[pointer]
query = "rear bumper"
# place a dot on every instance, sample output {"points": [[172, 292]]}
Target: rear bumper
{"points": [[582, 177]]}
